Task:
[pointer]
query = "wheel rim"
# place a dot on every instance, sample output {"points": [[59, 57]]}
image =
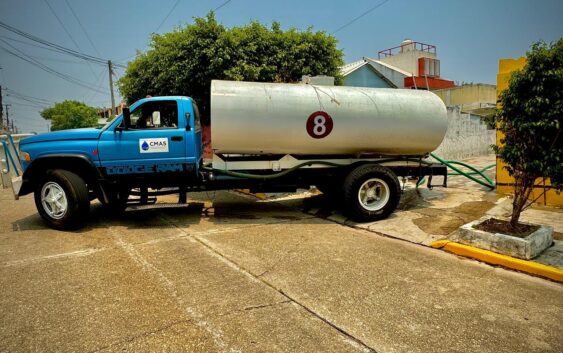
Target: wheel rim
{"points": [[53, 199], [374, 194]]}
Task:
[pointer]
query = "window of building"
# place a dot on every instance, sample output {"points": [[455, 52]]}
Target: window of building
{"points": [[431, 67]]}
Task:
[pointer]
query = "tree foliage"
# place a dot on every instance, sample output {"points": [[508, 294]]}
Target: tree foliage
{"points": [[530, 119], [184, 61], [70, 115]]}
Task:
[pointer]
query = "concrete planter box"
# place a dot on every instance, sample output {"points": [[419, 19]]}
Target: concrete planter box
{"points": [[523, 248]]}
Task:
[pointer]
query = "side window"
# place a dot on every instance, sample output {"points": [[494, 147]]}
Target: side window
{"points": [[155, 115], [197, 119]]}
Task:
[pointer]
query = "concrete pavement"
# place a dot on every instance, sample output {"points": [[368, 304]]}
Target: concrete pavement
{"points": [[228, 273]]}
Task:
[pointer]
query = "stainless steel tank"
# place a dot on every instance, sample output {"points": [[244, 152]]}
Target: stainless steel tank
{"points": [[272, 118]]}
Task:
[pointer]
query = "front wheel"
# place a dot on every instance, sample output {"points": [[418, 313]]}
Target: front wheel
{"points": [[62, 200], [371, 193]]}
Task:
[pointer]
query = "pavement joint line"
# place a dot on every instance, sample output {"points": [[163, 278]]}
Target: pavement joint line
{"points": [[78, 253], [492, 258], [354, 341], [197, 318]]}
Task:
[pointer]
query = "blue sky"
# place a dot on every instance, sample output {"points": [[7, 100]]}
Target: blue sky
{"points": [[471, 36]]}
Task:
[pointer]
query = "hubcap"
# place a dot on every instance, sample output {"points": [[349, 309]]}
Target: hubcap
{"points": [[53, 199], [374, 194]]}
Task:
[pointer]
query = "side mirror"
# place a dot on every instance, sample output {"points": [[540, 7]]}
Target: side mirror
{"points": [[126, 118]]}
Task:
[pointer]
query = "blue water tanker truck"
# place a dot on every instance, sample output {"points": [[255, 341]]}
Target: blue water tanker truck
{"points": [[351, 143]]}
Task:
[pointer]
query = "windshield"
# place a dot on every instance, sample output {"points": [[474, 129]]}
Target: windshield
{"points": [[106, 126]]}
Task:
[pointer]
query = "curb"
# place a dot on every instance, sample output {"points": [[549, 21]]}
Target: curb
{"points": [[493, 258]]}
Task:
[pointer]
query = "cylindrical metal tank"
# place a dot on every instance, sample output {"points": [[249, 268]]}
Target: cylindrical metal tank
{"points": [[272, 118]]}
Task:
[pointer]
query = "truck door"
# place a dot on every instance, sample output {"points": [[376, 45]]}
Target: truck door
{"points": [[155, 142], [193, 132]]}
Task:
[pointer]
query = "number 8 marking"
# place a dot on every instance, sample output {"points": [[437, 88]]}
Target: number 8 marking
{"points": [[319, 125]]}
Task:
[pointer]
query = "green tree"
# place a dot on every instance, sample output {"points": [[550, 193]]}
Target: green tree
{"points": [[70, 115], [530, 119], [184, 61]]}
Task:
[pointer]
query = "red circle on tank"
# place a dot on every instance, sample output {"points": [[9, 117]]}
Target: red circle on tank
{"points": [[319, 124]]}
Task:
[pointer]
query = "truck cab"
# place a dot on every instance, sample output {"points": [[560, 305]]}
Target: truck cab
{"points": [[163, 135], [156, 143]]}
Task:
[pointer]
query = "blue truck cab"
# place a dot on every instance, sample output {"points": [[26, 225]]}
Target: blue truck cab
{"points": [[156, 143]]}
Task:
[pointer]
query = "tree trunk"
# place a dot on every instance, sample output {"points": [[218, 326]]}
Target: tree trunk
{"points": [[523, 187]]}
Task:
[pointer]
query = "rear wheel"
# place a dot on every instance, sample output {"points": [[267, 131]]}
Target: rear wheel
{"points": [[62, 200], [371, 192]]}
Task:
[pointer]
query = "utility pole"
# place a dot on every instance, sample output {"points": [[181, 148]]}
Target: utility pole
{"points": [[7, 116], [110, 70], [1, 108]]}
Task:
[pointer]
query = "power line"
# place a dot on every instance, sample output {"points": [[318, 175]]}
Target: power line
{"points": [[28, 96], [220, 6], [56, 59], [46, 68], [34, 62], [62, 24], [29, 103], [168, 15], [99, 86], [30, 44], [83, 29], [16, 93], [67, 32], [59, 48], [358, 17], [42, 47]]}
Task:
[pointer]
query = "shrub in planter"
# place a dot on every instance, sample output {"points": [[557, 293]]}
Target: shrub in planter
{"points": [[530, 118]]}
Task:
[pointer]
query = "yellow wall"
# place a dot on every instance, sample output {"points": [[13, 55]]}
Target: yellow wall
{"points": [[503, 180], [468, 94]]}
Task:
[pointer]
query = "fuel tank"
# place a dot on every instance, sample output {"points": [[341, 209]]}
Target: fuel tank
{"points": [[302, 119]]}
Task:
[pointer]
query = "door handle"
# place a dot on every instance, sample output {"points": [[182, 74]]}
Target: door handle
{"points": [[177, 138]]}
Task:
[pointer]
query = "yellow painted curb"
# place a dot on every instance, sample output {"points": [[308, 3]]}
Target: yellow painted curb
{"points": [[498, 259]]}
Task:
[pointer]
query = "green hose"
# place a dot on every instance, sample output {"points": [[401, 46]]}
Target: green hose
{"points": [[474, 171], [488, 182], [305, 164], [270, 176]]}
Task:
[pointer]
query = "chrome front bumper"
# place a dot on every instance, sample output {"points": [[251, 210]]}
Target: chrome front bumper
{"points": [[16, 186]]}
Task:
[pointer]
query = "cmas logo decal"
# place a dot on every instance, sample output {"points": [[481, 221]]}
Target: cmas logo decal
{"points": [[153, 145]]}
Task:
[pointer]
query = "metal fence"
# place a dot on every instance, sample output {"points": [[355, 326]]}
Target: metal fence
{"points": [[10, 164]]}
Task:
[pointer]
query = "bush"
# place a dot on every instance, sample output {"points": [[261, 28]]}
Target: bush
{"points": [[530, 119]]}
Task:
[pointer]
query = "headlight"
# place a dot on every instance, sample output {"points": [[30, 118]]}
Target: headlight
{"points": [[24, 156]]}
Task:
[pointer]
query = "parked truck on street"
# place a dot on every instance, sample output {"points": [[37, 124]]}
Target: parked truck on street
{"points": [[351, 143]]}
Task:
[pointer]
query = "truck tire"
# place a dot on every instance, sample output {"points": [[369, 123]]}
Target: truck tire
{"points": [[371, 193], [61, 198]]}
